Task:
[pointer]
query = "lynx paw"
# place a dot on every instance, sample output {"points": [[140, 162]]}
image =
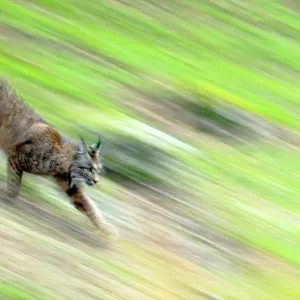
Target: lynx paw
{"points": [[110, 231]]}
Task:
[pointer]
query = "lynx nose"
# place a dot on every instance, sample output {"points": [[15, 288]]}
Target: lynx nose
{"points": [[90, 181]]}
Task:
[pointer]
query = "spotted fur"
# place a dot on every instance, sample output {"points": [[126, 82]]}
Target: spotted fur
{"points": [[33, 146]]}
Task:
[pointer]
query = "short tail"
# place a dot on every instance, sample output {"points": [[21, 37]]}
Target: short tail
{"points": [[4, 84], [6, 90]]}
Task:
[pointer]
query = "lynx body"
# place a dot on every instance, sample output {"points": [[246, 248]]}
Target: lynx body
{"points": [[33, 146]]}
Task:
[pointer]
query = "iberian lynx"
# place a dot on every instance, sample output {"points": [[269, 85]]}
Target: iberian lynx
{"points": [[33, 146]]}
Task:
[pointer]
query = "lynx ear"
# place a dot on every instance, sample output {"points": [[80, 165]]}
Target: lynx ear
{"points": [[81, 148], [95, 148]]}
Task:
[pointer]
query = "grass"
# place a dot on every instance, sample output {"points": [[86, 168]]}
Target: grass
{"points": [[14, 291], [262, 64], [79, 64]]}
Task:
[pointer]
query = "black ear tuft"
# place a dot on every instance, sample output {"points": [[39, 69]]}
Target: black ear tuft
{"points": [[99, 143], [96, 147], [82, 139]]}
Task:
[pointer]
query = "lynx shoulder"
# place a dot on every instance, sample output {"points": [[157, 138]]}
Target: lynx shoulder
{"points": [[31, 145]]}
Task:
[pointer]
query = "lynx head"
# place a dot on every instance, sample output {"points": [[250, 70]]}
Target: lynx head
{"points": [[86, 165]]}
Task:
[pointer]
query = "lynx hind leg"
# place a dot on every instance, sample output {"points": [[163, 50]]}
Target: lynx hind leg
{"points": [[88, 207], [14, 177]]}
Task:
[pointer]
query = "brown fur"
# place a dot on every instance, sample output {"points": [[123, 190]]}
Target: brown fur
{"points": [[33, 146]]}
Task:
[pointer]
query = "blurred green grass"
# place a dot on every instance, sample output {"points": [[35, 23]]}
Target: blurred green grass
{"points": [[16, 291], [129, 44], [77, 64]]}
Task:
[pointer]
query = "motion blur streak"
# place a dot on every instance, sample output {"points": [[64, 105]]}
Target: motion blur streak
{"points": [[197, 103]]}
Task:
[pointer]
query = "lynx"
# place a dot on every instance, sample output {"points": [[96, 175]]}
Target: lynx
{"points": [[33, 146]]}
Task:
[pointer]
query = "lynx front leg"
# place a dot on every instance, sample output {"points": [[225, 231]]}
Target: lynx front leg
{"points": [[88, 207], [14, 177]]}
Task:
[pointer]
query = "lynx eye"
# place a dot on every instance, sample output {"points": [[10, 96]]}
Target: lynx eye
{"points": [[89, 167]]}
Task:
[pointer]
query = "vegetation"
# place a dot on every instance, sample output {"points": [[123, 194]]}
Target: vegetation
{"points": [[197, 103]]}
